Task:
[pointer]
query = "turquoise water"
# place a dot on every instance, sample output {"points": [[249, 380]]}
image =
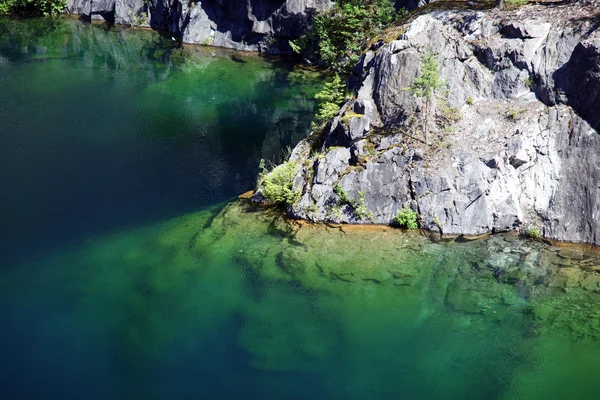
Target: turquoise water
{"points": [[127, 275]]}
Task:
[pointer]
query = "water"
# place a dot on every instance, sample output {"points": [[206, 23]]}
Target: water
{"points": [[103, 130], [125, 276]]}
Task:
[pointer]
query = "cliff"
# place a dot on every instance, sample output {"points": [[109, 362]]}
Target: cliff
{"points": [[252, 25], [513, 140]]}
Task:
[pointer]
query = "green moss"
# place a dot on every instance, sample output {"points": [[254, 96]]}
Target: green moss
{"points": [[350, 114]]}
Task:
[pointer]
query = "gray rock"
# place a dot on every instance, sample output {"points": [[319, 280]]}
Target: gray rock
{"points": [[514, 160], [264, 25]]}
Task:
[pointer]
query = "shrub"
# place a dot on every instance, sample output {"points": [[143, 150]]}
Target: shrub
{"points": [[32, 7], [330, 99], [339, 34], [279, 184], [426, 84], [360, 207], [531, 232], [344, 199], [406, 218]]}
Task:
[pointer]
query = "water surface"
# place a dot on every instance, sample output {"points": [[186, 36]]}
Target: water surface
{"points": [[125, 276]]}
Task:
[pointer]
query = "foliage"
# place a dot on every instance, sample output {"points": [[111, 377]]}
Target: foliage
{"points": [[426, 84], [514, 113], [360, 207], [514, 4], [406, 218], [428, 80], [344, 199], [531, 232], [6, 6], [330, 99], [339, 34], [32, 7], [278, 184]]}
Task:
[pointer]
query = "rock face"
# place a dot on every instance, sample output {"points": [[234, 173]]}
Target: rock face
{"points": [[513, 142], [254, 25]]}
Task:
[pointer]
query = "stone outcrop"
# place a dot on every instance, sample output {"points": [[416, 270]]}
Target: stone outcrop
{"points": [[513, 143], [255, 25]]}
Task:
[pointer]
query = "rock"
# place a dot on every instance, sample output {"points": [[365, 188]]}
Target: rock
{"points": [[578, 81], [506, 159], [264, 26], [526, 30]]}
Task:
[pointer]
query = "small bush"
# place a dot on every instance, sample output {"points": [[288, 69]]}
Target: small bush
{"points": [[360, 207], [339, 34], [32, 7], [279, 184], [330, 99], [531, 232], [344, 199], [407, 218]]}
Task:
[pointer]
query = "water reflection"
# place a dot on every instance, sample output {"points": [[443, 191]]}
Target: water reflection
{"points": [[105, 129]]}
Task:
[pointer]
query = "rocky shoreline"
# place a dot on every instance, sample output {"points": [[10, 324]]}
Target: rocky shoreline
{"points": [[264, 26], [514, 145]]}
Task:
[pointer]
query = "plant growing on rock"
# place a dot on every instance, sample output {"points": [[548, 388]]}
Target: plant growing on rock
{"points": [[330, 99], [278, 185], [360, 207], [531, 232], [426, 84], [406, 218], [32, 7], [339, 34]]}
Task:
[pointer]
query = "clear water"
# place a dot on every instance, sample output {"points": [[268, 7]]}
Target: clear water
{"points": [[124, 275]]}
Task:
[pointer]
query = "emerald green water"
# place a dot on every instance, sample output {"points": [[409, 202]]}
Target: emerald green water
{"points": [[143, 284]]}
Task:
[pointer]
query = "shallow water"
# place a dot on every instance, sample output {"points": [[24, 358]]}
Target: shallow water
{"points": [[126, 277]]}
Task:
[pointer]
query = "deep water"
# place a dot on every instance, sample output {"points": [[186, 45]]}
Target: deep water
{"points": [[126, 272]]}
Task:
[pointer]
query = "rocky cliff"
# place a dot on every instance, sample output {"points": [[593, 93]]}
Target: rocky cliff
{"points": [[254, 25], [513, 142]]}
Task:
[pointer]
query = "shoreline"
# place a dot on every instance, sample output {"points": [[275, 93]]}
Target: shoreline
{"points": [[297, 224]]}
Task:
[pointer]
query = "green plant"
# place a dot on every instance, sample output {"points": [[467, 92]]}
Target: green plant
{"points": [[32, 7], [336, 212], [514, 4], [330, 98], [531, 232], [426, 84], [360, 207], [514, 113], [278, 185], [339, 34], [344, 199], [139, 20], [470, 101], [6, 6], [406, 218], [448, 114]]}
